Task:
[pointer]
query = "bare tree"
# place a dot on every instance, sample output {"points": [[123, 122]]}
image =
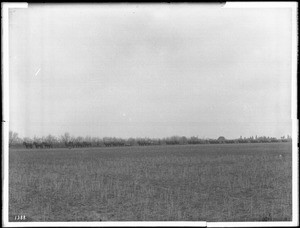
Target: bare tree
{"points": [[66, 137], [13, 138]]}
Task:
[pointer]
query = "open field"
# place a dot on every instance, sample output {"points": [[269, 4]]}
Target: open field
{"points": [[226, 182]]}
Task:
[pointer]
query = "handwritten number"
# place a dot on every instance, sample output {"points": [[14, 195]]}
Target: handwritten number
{"points": [[20, 217]]}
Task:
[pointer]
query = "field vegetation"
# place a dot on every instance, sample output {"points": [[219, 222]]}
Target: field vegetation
{"points": [[219, 182]]}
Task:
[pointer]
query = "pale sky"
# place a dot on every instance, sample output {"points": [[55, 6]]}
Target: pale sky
{"points": [[150, 71]]}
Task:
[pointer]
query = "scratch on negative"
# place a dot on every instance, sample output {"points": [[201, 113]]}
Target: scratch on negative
{"points": [[37, 72]]}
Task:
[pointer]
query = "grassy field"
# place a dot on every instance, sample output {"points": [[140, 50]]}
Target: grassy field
{"points": [[226, 182]]}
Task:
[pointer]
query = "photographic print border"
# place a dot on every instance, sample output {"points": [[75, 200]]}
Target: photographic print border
{"points": [[5, 129]]}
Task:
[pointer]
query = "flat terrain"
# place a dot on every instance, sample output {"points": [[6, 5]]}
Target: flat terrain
{"points": [[224, 182]]}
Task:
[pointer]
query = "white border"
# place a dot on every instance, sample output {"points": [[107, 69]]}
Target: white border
{"points": [[5, 108], [261, 4], [295, 121], [106, 224], [5, 129]]}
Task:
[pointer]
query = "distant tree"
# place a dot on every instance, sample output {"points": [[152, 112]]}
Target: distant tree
{"points": [[221, 139], [51, 139], [13, 138], [28, 145], [79, 142], [95, 141], [88, 139], [183, 140], [66, 137], [66, 140], [174, 140], [131, 142], [28, 142], [27, 139], [193, 140], [37, 139]]}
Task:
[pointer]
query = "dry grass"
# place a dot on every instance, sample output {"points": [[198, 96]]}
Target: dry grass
{"points": [[248, 182]]}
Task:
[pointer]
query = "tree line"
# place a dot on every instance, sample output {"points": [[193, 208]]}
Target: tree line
{"points": [[68, 141]]}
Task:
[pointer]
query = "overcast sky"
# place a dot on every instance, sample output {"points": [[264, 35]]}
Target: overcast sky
{"points": [[150, 71]]}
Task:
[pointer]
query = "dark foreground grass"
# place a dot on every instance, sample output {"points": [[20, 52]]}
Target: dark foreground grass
{"points": [[242, 182]]}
